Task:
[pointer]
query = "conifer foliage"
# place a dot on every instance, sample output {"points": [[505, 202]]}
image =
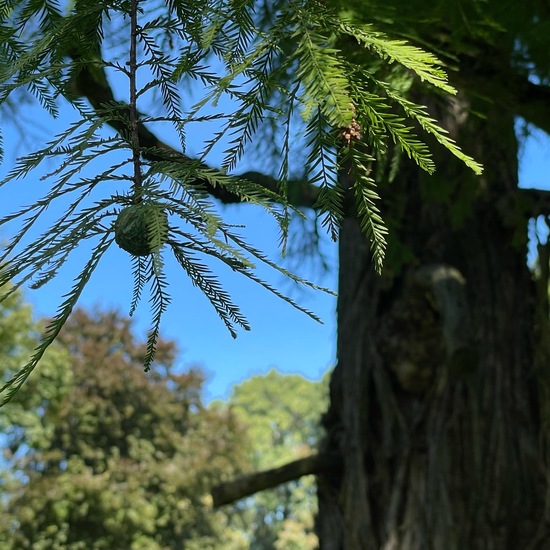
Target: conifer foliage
{"points": [[276, 64]]}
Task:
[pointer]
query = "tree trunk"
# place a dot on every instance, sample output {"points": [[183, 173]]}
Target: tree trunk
{"points": [[436, 399]]}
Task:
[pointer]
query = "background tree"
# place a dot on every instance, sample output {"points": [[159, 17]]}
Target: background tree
{"points": [[22, 424], [123, 460], [281, 413], [88, 463]]}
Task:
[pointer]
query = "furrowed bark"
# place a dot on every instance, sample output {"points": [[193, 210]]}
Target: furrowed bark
{"points": [[436, 399]]}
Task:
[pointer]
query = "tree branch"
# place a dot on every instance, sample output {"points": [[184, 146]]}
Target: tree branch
{"points": [[98, 92], [504, 86], [231, 491], [535, 202], [533, 102], [134, 117]]}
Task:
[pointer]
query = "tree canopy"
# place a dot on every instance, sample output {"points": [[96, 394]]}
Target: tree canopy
{"points": [[110, 458], [99, 455]]}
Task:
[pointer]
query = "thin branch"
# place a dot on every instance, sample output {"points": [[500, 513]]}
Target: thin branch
{"points": [[532, 103], [134, 122], [229, 492], [523, 204]]}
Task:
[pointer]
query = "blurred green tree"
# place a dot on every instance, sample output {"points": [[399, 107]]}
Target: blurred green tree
{"points": [[22, 426], [282, 414], [108, 457]]}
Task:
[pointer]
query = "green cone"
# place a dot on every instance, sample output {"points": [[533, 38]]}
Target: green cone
{"points": [[135, 229]]}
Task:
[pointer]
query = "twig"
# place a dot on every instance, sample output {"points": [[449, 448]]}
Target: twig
{"points": [[134, 121]]}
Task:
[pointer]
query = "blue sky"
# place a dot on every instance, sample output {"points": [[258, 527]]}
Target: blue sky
{"points": [[281, 336]]}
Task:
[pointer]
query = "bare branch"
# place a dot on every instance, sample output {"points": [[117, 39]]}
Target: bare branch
{"points": [[535, 202], [532, 103], [231, 491], [99, 93], [510, 90]]}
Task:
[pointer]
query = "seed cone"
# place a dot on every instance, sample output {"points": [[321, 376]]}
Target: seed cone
{"points": [[138, 227]]}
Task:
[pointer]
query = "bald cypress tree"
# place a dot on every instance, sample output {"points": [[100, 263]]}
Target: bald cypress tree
{"points": [[437, 430]]}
